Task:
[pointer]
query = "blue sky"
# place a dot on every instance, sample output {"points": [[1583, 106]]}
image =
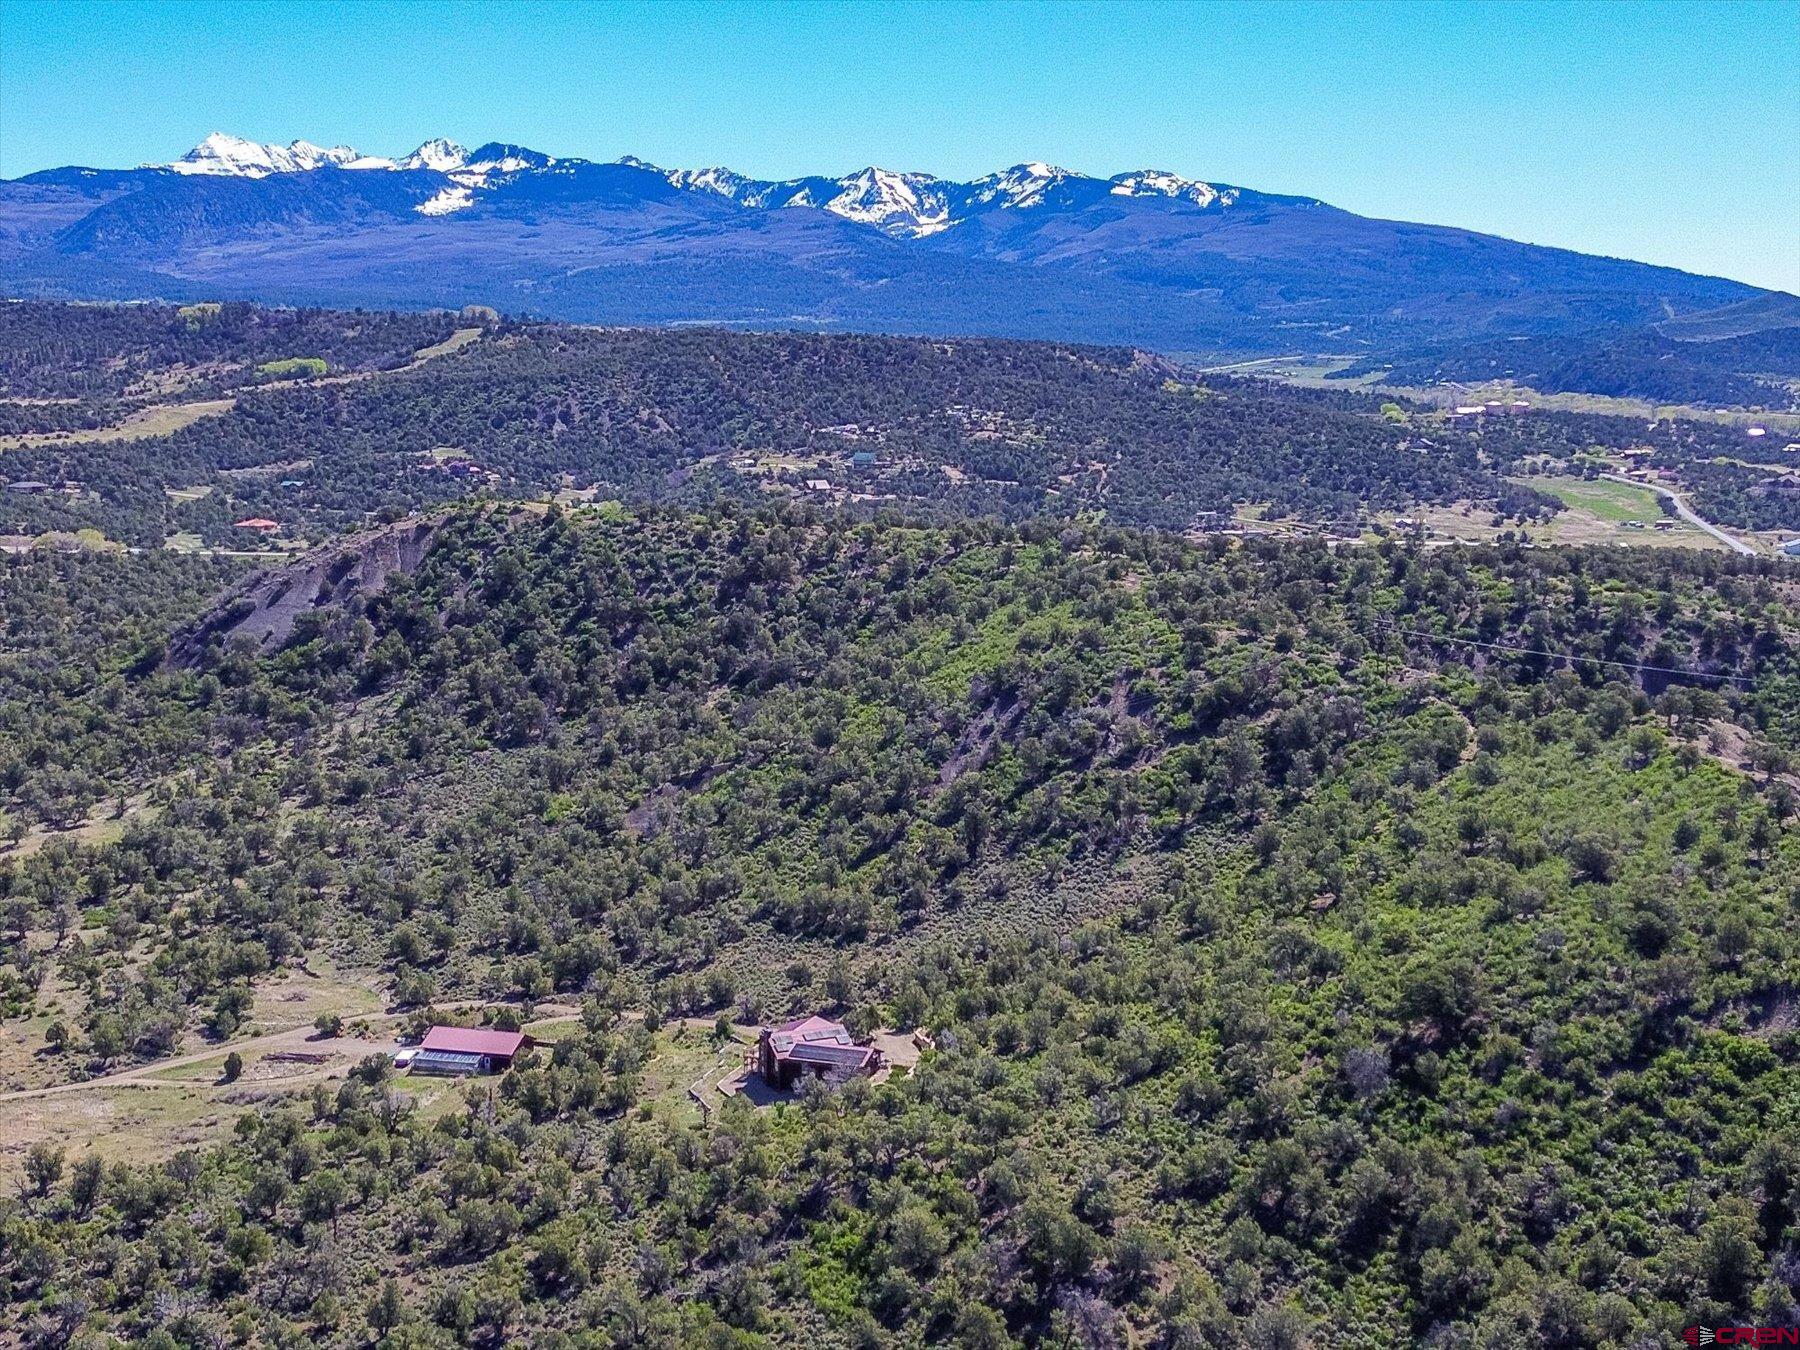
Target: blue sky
{"points": [[1666, 132]]}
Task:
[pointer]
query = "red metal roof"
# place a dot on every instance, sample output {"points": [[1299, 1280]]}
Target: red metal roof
{"points": [[474, 1040]]}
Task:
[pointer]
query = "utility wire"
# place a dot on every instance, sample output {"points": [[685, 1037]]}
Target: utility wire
{"points": [[1567, 656]]}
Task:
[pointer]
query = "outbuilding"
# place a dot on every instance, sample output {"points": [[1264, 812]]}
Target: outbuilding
{"points": [[451, 1051]]}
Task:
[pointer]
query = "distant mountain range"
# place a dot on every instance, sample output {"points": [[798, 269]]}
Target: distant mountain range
{"points": [[1147, 257]]}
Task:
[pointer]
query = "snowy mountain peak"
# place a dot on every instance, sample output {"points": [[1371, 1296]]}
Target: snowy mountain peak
{"points": [[1023, 185], [224, 154], [500, 157], [1161, 183], [439, 154], [910, 204], [719, 180], [234, 157]]}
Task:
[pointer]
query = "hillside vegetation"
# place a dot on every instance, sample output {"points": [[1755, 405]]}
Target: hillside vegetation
{"points": [[1299, 972], [956, 428], [1743, 370]]}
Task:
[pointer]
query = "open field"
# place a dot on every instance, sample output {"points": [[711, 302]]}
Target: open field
{"points": [[1316, 371], [461, 338], [185, 1108], [296, 998], [154, 1111], [1448, 395], [1577, 525], [1600, 497], [161, 419]]}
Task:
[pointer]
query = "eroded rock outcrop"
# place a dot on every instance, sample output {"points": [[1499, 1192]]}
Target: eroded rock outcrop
{"points": [[266, 605]]}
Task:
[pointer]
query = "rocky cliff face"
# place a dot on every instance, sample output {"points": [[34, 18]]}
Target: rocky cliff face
{"points": [[265, 606]]}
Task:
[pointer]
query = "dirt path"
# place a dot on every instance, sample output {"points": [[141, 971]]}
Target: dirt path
{"points": [[1688, 513], [302, 1038]]}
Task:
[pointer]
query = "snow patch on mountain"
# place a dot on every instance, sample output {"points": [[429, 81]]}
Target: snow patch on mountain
{"points": [[455, 198], [233, 156], [1161, 183]]}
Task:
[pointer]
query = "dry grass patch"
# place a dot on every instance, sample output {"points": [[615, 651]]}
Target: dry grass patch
{"points": [[162, 419]]}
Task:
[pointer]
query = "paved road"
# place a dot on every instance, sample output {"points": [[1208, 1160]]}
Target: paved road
{"points": [[1688, 514]]}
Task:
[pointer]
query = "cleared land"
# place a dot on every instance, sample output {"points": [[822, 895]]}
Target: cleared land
{"points": [[1589, 518], [152, 1110], [160, 419], [1316, 371], [1601, 497], [461, 338], [164, 419]]}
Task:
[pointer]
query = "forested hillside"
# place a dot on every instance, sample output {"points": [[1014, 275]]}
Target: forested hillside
{"points": [[1746, 370], [1350, 947], [958, 428], [89, 352]]}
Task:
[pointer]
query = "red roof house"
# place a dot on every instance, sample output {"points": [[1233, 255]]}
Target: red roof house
{"points": [[813, 1045], [459, 1050], [261, 524]]}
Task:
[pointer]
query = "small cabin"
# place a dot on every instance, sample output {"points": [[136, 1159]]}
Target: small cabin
{"points": [[812, 1045], [454, 1051]]}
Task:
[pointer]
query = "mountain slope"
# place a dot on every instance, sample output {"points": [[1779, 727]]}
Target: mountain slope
{"points": [[1031, 251], [1293, 977], [978, 425]]}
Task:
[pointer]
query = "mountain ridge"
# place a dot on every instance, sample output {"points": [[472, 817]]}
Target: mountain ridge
{"points": [[904, 203], [1144, 257]]}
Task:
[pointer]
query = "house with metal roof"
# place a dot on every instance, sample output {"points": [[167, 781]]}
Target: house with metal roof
{"points": [[812, 1045], [454, 1051]]}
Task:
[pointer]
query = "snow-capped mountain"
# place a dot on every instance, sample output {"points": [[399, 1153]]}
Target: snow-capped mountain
{"points": [[1147, 256], [1022, 186], [903, 205], [1157, 183], [909, 205], [437, 153], [233, 156]]}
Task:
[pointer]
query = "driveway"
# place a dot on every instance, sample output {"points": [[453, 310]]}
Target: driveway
{"points": [[1688, 513]]}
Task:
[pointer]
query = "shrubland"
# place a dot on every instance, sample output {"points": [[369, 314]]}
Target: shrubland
{"points": [[1357, 946]]}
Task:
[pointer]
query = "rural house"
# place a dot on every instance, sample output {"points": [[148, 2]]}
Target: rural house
{"points": [[811, 1044], [468, 1050]]}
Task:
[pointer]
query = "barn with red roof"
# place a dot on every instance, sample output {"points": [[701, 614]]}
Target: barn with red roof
{"points": [[468, 1050]]}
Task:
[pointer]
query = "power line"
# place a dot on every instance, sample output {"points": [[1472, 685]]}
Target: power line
{"points": [[1567, 656]]}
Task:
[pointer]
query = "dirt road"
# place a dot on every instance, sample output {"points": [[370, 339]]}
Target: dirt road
{"points": [[301, 1038], [1688, 514]]}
